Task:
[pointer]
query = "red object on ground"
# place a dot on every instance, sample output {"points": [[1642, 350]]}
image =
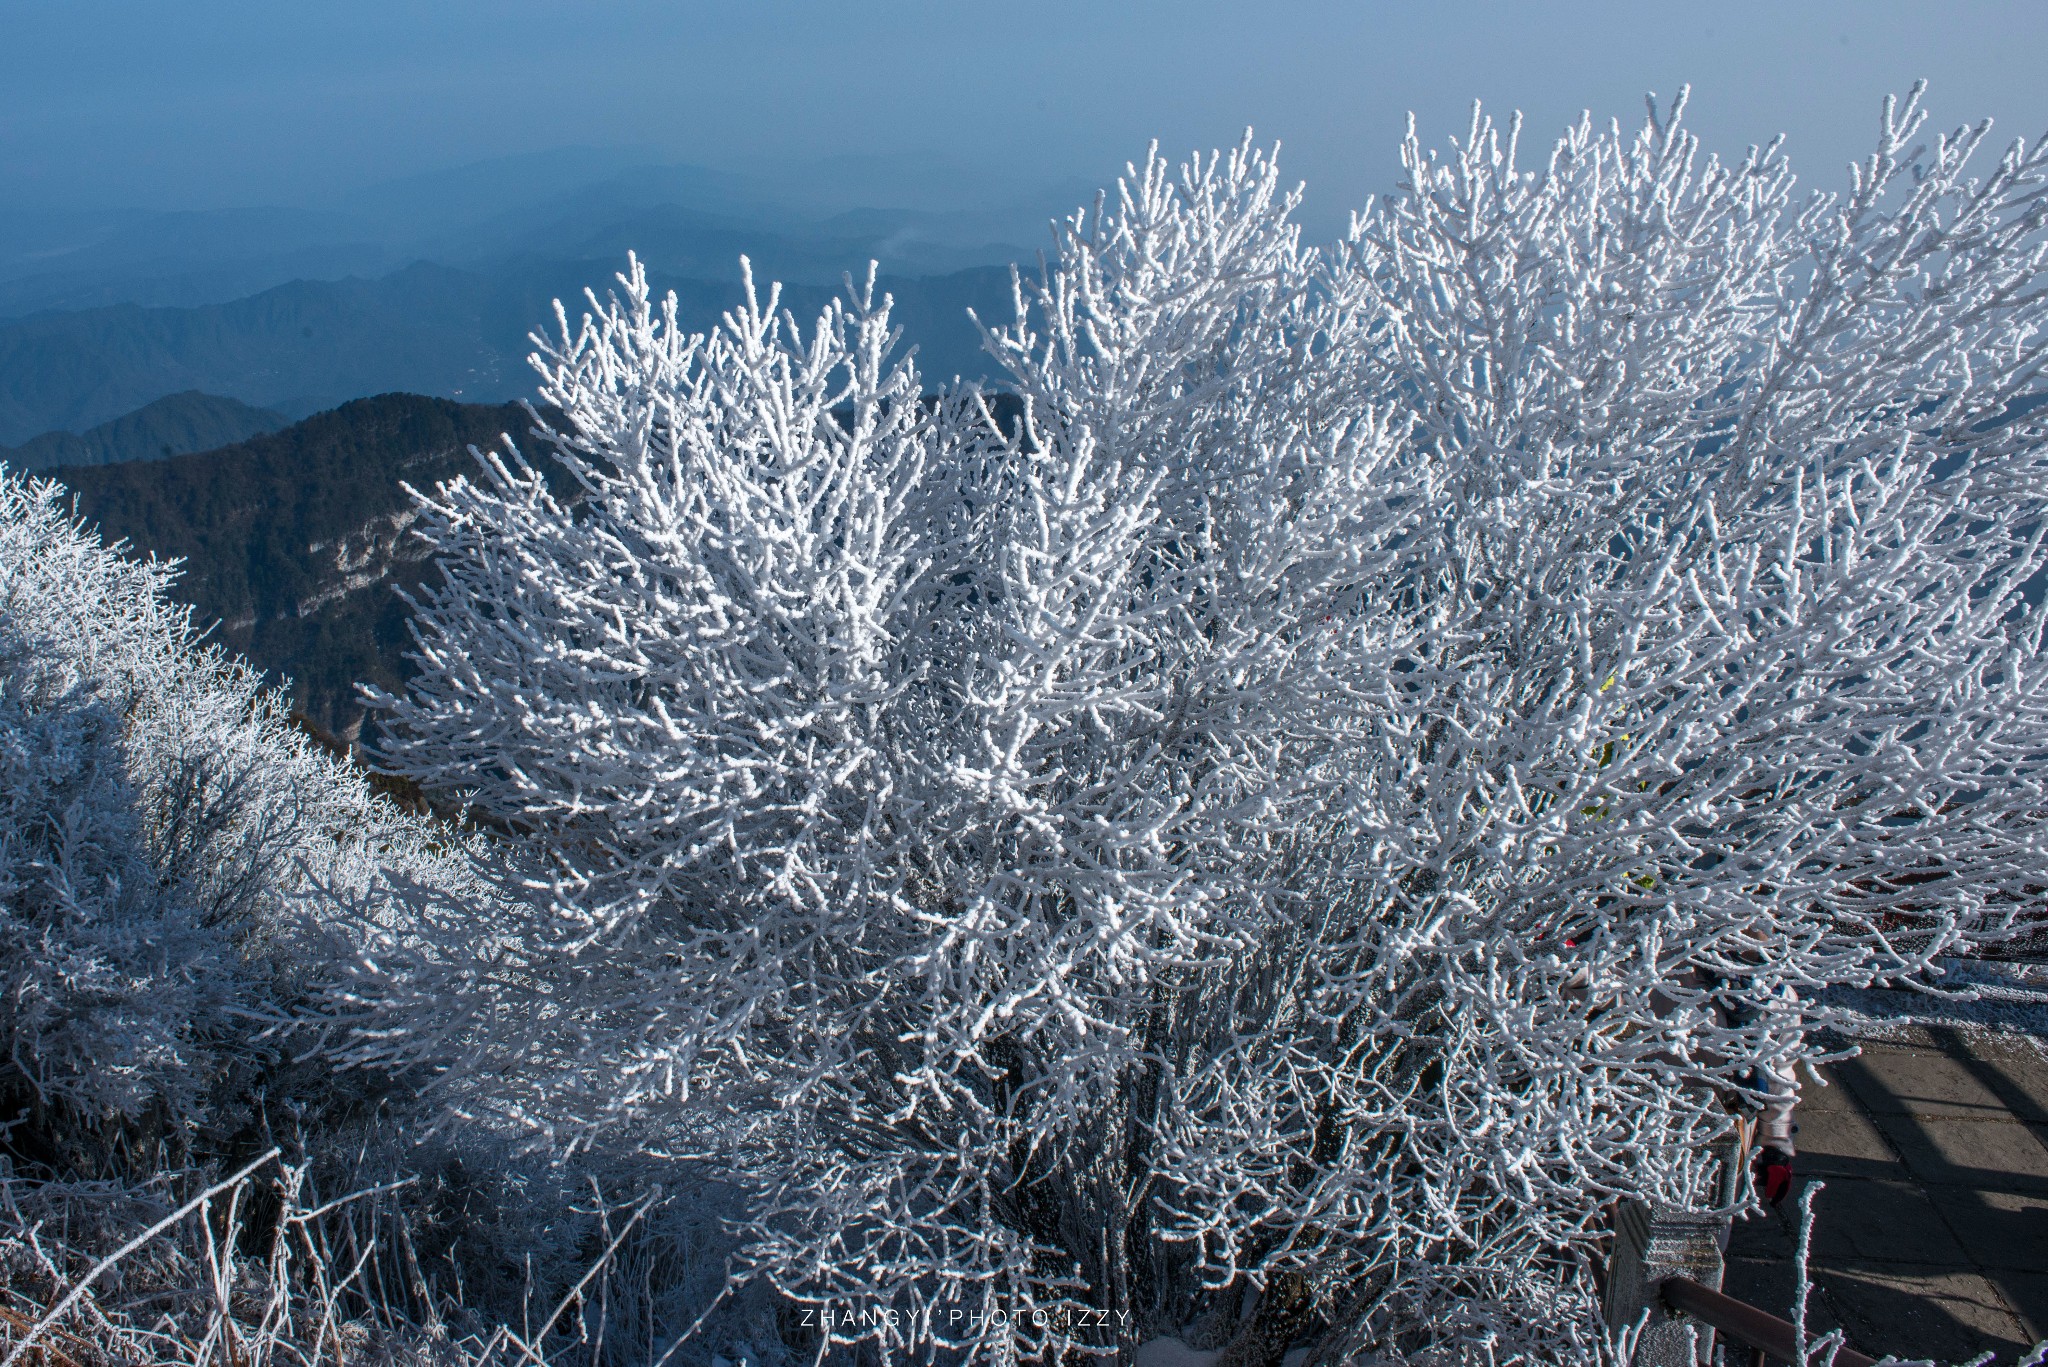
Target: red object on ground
{"points": [[1774, 1174]]}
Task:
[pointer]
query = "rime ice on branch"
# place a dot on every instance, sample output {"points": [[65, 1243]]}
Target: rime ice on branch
{"points": [[1364, 774]]}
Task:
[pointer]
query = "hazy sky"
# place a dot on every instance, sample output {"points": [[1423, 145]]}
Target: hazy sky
{"points": [[214, 103]]}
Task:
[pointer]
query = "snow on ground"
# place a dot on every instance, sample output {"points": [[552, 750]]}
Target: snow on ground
{"points": [[2008, 997]]}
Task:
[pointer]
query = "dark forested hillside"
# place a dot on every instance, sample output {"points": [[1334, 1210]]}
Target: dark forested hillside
{"points": [[294, 541]]}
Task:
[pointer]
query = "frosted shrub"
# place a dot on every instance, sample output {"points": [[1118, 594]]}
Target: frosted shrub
{"points": [[160, 828], [182, 872], [110, 984], [1364, 773]]}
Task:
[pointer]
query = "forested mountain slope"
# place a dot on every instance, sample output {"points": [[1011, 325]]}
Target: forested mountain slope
{"points": [[294, 541]]}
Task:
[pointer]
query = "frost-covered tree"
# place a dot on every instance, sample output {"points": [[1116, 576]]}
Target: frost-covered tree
{"points": [[1372, 766], [162, 826]]}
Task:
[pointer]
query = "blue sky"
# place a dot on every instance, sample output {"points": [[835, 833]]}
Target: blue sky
{"points": [[217, 103]]}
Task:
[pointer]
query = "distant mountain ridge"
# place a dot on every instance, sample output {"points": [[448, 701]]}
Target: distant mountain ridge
{"points": [[174, 425], [804, 223], [293, 541], [430, 283], [427, 329]]}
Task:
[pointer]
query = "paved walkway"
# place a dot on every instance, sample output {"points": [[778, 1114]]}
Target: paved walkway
{"points": [[1931, 1237]]}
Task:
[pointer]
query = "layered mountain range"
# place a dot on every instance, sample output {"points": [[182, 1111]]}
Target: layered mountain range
{"points": [[244, 390], [432, 284], [427, 328]]}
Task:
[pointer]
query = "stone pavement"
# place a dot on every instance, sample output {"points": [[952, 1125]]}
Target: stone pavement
{"points": [[1931, 1236]]}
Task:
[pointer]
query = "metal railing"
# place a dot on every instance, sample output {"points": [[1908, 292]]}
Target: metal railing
{"points": [[1762, 1333], [1662, 1280]]}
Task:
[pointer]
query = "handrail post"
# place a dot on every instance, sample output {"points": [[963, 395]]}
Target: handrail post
{"points": [[1650, 1244]]}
